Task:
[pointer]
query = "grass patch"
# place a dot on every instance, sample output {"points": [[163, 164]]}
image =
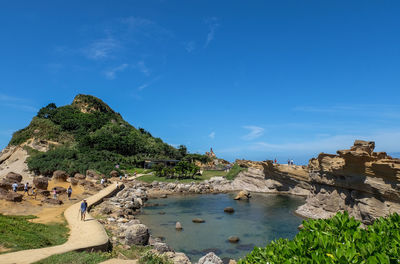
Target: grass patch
{"points": [[149, 178], [17, 233], [234, 171], [138, 171], [135, 252], [76, 258], [208, 174]]}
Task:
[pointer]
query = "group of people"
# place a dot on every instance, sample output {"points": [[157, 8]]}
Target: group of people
{"points": [[290, 162], [14, 187]]}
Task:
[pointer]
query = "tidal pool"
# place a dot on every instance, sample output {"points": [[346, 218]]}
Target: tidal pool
{"points": [[256, 222]]}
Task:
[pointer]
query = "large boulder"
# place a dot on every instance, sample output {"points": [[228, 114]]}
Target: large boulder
{"points": [[79, 176], [14, 177], [114, 173], [137, 234], [7, 185], [41, 183], [74, 181], [94, 175], [60, 190], [10, 196], [52, 201], [210, 258], [60, 175], [243, 195]]}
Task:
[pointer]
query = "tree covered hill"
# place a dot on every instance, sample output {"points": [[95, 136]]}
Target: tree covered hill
{"points": [[90, 136]]}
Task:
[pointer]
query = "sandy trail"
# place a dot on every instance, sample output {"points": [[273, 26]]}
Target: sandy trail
{"points": [[84, 235]]}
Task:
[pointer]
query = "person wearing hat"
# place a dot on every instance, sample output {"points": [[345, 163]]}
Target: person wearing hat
{"points": [[83, 209]]}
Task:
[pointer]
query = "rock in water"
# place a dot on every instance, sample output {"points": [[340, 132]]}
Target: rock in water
{"points": [[137, 234], [229, 210], [243, 195], [210, 258], [233, 239], [41, 183], [178, 226], [198, 220]]}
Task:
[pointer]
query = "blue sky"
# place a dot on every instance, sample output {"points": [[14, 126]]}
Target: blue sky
{"points": [[252, 79]]}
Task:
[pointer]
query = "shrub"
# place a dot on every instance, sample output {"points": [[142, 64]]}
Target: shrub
{"points": [[336, 240], [234, 171], [150, 258]]}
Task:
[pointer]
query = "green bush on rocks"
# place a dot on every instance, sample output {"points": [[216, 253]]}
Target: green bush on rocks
{"points": [[339, 239]]}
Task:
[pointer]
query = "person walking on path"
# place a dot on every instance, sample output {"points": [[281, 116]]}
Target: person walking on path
{"points": [[14, 186], [102, 181], [54, 191], [69, 192], [26, 187], [34, 193], [83, 209]]}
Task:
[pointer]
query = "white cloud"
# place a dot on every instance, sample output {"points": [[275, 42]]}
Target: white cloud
{"points": [[212, 135], [212, 25], [190, 46], [102, 48], [147, 84], [141, 66], [255, 132], [111, 74]]}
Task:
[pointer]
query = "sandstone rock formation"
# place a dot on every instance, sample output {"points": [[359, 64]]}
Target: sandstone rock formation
{"points": [[210, 258], [137, 234], [268, 177], [41, 183], [60, 175], [243, 195], [358, 180]]}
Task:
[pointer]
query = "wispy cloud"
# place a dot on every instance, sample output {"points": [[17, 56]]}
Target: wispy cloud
{"points": [[212, 135], [141, 66], [111, 73], [213, 25], [190, 46], [255, 132], [17, 103], [102, 48], [376, 110], [147, 84]]}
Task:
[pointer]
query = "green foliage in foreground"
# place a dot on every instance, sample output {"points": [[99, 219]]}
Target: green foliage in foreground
{"points": [[234, 171], [17, 233], [76, 258], [150, 258], [336, 240]]}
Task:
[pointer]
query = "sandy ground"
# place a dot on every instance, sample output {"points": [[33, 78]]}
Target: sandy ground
{"points": [[46, 213]]}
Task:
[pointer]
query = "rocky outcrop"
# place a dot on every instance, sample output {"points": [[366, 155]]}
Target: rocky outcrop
{"points": [[243, 195], [358, 180], [41, 183], [10, 196], [268, 177], [210, 258], [60, 175], [137, 234]]}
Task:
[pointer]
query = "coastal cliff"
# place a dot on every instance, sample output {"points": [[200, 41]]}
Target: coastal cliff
{"points": [[265, 176], [363, 182]]}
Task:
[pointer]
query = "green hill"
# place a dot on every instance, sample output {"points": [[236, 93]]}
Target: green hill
{"points": [[90, 136]]}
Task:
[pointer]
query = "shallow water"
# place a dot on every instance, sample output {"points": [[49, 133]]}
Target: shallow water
{"points": [[263, 218]]}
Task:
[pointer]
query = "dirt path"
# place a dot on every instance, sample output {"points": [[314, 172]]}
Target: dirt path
{"points": [[119, 261], [84, 235]]}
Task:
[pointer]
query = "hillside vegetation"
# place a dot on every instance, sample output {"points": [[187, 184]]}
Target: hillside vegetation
{"points": [[91, 136]]}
